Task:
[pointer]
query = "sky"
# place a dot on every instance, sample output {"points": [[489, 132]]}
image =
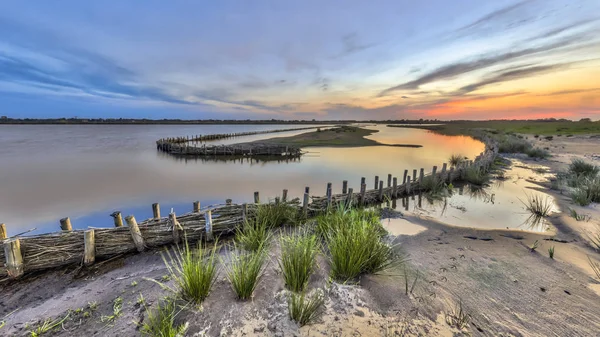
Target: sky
{"points": [[231, 59]]}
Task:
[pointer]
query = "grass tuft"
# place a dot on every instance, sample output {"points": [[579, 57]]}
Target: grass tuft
{"points": [[538, 207], [161, 321], [117, 311], [48, 325], [476, 176], [305, 309], [595, 240], [298, 259], [551, 252], [254, 234], [580, 168], [194, 271], [457, 316], [595, 267], [536, 152], [245, 271], [455, 159]]}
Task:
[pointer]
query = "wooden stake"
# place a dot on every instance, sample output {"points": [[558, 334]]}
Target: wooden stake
{"points": [[305, 203], [196, 206], [328, 189], [395, 188], [256, 197], [14, 259], [381, 190], [228, 202], [65, 224], [444, 167], [209, 225], [284, 195], [136, 235], [156, 211], [117, 218], [3, 234], [89, 247], [376, 182], [421, 176], [389, 182], [363, 192], [176, 227], [349, 197], [344, 186], [244, 211], [404, 178], [414, 176], [407, 188], [363, 180]]}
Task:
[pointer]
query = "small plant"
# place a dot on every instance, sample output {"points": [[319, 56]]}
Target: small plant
{"points": [[580, 168], [579, 217], [253, 235], [93, 305], [305, 309], [194, 271], [117, 311], [595, 267], [134, 283], [161, 321], [48, 325], [537, 206], [534, 246], [476, 176], [551, 252], [536, 152], [595, 240], [407, 282], [245, 272], [549, 137], [457, 316], [455, 159], [297, 263], [141, 300], [166, 278]]}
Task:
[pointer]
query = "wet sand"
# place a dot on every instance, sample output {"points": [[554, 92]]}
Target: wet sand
{"points": [[507, 289]]}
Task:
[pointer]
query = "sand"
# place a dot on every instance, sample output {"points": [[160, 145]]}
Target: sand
{"points": [[508, 289]]}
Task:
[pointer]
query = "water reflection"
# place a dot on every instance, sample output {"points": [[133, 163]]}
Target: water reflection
{"points": [[86, 172]]}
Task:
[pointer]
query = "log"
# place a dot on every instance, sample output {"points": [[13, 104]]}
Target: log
{"points": [[14, 259], [65, 224], [3, 234], [117, 218], [136, 235], [89, 247], [156, 211]]}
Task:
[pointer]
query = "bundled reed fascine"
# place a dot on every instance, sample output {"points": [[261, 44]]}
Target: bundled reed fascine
{"points": [[236, 150], [218, 136], [53, 250]]}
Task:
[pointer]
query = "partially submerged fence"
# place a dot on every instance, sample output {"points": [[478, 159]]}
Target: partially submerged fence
{"points": [[33, 253]]}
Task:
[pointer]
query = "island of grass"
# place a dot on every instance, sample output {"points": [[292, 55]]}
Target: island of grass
{"points": [[341, 136]]}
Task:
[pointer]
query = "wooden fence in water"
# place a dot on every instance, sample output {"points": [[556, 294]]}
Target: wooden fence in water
{"points": [[24, 254]]}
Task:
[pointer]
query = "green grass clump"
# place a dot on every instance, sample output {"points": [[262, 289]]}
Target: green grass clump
{"points": [[457, 316], [305, 309], [194, 271], [551, 252], [538, 206], [48, 325], [512, 144], [455, 159], [340, 216], [254, 234], [275, 214], [357, 248], [595, 267], [245, 271], [579, 167], [580, 197], [536, 152], [161, 321], [476, 176], [298, 259], [595, 240]]}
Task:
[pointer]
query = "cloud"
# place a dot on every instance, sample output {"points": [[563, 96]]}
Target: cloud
{"points": [[510, 76], [568, 92]]}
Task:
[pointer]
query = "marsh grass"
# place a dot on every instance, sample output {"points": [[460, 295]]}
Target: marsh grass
{"points": [[581, 168], [356, 247], [298, 259], [534, 246], [457, 316], [161, 321], [276, 214], [455, 159], [476, 176], [538, 207], [595, 267], [193, 270], [551, 252], [305, 309], [341, 215], [48, 325], [579, 217], [537, 152], [254, 234], [595, 241], [512, 144], [245, 270]]}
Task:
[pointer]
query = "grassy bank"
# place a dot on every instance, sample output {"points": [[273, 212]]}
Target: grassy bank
{"points": [[343, 136]]}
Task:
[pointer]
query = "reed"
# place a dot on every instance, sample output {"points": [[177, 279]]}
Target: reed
{"points": [[298, 259], [536, 152], [254, 234], [161, 321], [551, 252], [305, 309], [538, 206], [579, 167], [476, 176], [595, 267], [455, 159], [245, 271]]}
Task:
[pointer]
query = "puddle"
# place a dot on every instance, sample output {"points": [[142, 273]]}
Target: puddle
{"points": [[499, 206], [401, 226]]}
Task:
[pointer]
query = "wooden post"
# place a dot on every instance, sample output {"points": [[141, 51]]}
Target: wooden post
{"points": [[450, 175], [404, 178], [349, 197], [256, 198], [389, 182], [277, 201], [421, 176], [244, 211], [407, 185], [117, 218], [3, 234], [284, 195], [65, 224], [376, 182], [328, 189], [363, 192], [363, 180], [156, 211], [89, 247], [138, 240], [209, 225], [228, 202], [14, 259], [414, 176], [305, 203], [395, 188], [344, 186], [381, 190], [328, 194], [196, 206], [444, 167], [176, 227]]}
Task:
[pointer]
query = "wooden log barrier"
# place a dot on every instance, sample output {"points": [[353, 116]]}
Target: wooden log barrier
{"points": [[89, 247], [14, 258], [136, 235], [65, 224]]}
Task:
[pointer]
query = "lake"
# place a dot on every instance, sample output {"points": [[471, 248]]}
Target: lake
{"points": [[86, 172]]}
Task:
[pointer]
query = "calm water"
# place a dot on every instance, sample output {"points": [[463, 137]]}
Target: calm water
{"points": [[87, 172]]}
